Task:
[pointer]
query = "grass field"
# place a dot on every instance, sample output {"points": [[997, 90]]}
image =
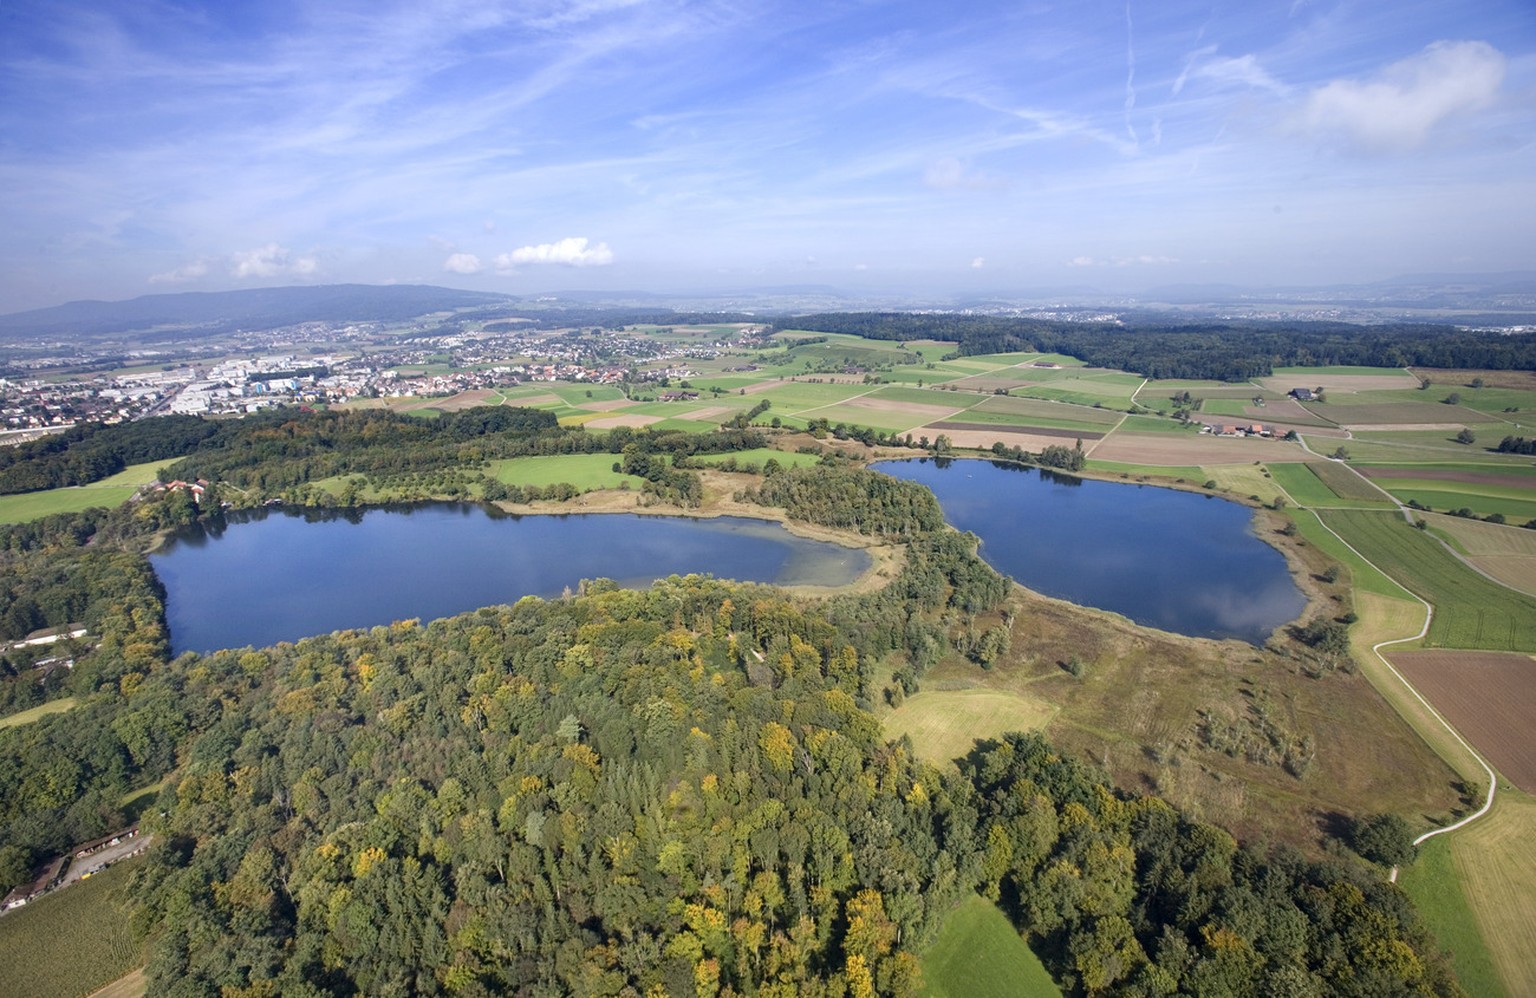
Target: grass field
{"points": [[1497, 868], [1436, 891], [944, 724], [979, 955], [71, 942], [1189, 473], [1470, 611], [1302, 485], [1344, 482], [1244, 480], [585, 471], [1475, 498], [31, 714], [34, 505]]}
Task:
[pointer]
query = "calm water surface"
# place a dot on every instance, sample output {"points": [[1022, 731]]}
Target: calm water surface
{"points": [[280, 576], [1174, 560]]}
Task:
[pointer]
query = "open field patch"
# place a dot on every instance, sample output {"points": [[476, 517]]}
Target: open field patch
{"points": [[1518, 507], [979, 954], [1395, 414], [31, 714], [1032, 439], [921, 412], [73, 941], [634, 420], [1478, 538], [585, 471], [1497, 868], [1431, 881], [945, 724], [1512, 478], [1470, 611], [1045, 409], [1190, 448], [1345, 481], [608, 405], [1447, 377], [29, 506], [1064, 433], [1244, 480], [1338, 379], [1490, 697]]}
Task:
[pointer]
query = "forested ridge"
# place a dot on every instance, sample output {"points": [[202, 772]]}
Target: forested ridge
{"points": [[676, 791], [1226, 351]]}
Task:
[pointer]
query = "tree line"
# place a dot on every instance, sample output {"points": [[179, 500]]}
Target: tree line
{"points": [[1224, 351]]}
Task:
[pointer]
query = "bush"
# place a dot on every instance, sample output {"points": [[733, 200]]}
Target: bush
{"points": [[1383, 838]]}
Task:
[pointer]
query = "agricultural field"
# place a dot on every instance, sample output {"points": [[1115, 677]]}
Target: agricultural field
{"points": [[1244, 480], [1326, 483], [979, 954], [1432, 883], [1506, 553], [72, 941], [1470, 611], [33, 505], [1497, 868], [1490, 697]]}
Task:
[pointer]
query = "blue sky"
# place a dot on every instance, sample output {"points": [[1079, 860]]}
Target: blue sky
{"points": [[545, 144]]}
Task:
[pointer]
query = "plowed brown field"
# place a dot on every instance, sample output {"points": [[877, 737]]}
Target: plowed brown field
{"points": [[1491, 699]]}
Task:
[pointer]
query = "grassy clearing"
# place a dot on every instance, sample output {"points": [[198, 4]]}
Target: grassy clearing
{"points": [[73, 941], [759, 456], [35, 505], [944, 724], [585, 471], [1188, 473], [979, 955], [1244, 480], [1470, 611], [1437, 893], [31, 714], [1497, 869], [1302, 485]]}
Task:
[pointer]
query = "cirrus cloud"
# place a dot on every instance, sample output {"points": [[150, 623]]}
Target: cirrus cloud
{"points": [[573, 251], [1397, 109]]}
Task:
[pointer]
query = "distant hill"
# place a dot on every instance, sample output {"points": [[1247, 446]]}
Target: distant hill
{"points": [[255, 308]]}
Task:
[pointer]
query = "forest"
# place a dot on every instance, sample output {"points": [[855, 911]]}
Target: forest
{"points": [[1222, 351], [676, 791]]}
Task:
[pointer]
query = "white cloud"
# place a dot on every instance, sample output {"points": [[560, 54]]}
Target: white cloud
{"points": [[181, 275], [978, 263], [1082, 261], [572, 251], [1399, 107], [462, 263], [271, 260]]}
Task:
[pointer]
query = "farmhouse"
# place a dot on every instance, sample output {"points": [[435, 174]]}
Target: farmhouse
{"points": [[1303, 395]]}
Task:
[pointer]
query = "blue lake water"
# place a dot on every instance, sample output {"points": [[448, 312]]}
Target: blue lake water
{"points": [[282, 575], [1179, 561]]}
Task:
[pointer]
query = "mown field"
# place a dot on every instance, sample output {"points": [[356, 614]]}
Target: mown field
{"points": [[1497, 867], [978, 954], [1470, 611], [945, 724], [31, 714], [73, 941], [1432, 883]]}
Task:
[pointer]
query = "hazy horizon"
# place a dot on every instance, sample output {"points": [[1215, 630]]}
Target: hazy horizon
{"points": [[685, 147]]}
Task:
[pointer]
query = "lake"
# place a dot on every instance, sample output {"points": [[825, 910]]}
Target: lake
{"points": [[1179, 561], [281, 575]]}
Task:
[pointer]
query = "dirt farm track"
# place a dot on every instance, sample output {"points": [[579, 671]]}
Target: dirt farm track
{"points": [[1489, 696]]}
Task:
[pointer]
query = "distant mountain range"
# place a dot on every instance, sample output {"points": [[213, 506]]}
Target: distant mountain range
{"points": [[254, 309], [1507, 298]]}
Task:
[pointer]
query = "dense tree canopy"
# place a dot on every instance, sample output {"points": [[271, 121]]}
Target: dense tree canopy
{"points": [[1229, 351]]}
